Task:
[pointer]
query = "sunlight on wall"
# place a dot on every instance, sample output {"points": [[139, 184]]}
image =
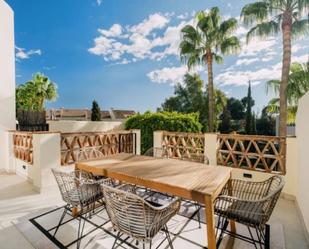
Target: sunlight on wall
{"points": [[7, 80]]}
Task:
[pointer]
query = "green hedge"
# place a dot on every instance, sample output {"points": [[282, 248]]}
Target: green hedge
{"points": [[167, 121]]}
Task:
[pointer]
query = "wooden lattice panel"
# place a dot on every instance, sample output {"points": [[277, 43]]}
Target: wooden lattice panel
{"points": [[23, 146], [184, 145], [87, 146], [260, 153]]}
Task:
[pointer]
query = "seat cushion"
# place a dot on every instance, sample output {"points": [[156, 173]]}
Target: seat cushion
{"points": [[85, 195], [242, 212]]}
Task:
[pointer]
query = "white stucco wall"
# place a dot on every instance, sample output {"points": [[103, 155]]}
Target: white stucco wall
{"points": [[84, 126], [302, 132], [7, 81]]}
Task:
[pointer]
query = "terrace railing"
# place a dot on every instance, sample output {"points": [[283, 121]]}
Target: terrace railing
{"points": [[259, 153], [184, 145], [23, 146], [87, 146]]}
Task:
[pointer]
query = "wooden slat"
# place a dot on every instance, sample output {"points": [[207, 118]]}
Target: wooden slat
{"points": [[94, 145], [261, 153], [23, 146]]}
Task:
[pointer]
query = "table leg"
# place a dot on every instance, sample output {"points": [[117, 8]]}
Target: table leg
{"points": [[210, 221]]}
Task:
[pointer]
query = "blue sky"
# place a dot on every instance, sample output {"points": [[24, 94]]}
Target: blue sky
{"points": [[123, 53]]}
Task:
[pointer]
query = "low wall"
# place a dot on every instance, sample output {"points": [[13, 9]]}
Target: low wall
{"points": [[34, 154], [84, 126]]}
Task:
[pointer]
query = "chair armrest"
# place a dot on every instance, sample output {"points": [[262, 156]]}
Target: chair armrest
{"points": [[224, 202], [167, 206]]}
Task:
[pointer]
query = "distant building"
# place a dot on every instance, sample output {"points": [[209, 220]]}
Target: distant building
{"points": [[85, 114]]}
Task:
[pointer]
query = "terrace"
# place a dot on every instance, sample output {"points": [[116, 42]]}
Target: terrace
{"points": [[85, 184], [287, 231]]}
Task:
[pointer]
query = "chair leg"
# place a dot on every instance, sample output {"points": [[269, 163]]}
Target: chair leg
{"points": [[116, 239], [60, 221], [267, 236], [223, 226], [198, 215], [168, 237], [251, 235], [80, 231]]}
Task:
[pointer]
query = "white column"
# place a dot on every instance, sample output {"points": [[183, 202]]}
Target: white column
{"points": [[7, 82], [292, 162], [211, 145], [157, 139], [137, 141], [46, 155]]}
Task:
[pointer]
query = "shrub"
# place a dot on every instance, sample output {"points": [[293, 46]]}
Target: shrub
{"points": [[167, 121]]}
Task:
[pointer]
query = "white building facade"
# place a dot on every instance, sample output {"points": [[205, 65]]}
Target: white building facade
{"points": [[7, 81]]}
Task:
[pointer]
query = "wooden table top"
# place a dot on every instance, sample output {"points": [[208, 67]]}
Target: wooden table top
{"points": [[185, 179]]}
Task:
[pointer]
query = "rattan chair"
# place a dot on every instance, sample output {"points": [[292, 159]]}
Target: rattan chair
{"points": [[156, 153], [133, 216], [79, 190], [251, 204]]}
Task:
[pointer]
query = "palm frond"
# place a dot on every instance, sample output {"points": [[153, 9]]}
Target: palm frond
{"points": [[215, 16], [189, 33], [228, 27], [273, 106], [230, 45], [219, 59], [255, 12], [263, 30], [273, 85], [300, 28]]}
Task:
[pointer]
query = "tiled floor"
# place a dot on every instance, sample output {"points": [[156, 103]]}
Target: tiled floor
{"points": [[18, 201]]}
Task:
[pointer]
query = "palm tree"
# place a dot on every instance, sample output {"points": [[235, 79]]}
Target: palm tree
{"points": [[206, 43], [33, 94], [270, 17], [298, 85], [44, 89]]}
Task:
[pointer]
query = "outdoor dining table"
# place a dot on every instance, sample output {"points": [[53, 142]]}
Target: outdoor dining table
{"points": [[189, 180]]}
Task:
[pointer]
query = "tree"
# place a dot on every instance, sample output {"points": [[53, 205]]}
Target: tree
{"points": [[225, 125], [236, 108], [249, 129], [190, 97], [298, 85], [206, 43], [33, 94], [271, 17], [95, 111], [266, 124]]}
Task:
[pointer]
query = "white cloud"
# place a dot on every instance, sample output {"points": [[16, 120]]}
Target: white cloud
{"points": [[171, 75], [301, 58], [23, 54], [154, 21], [140, 41], [183, 16], [241, 77], [257, 46], [114, 31], [99, 2], [246, 61]]}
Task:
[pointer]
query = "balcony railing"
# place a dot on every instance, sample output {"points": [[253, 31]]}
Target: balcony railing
{"points": [[87, 146], [184, 145], [23, 146], [259, 153]]}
